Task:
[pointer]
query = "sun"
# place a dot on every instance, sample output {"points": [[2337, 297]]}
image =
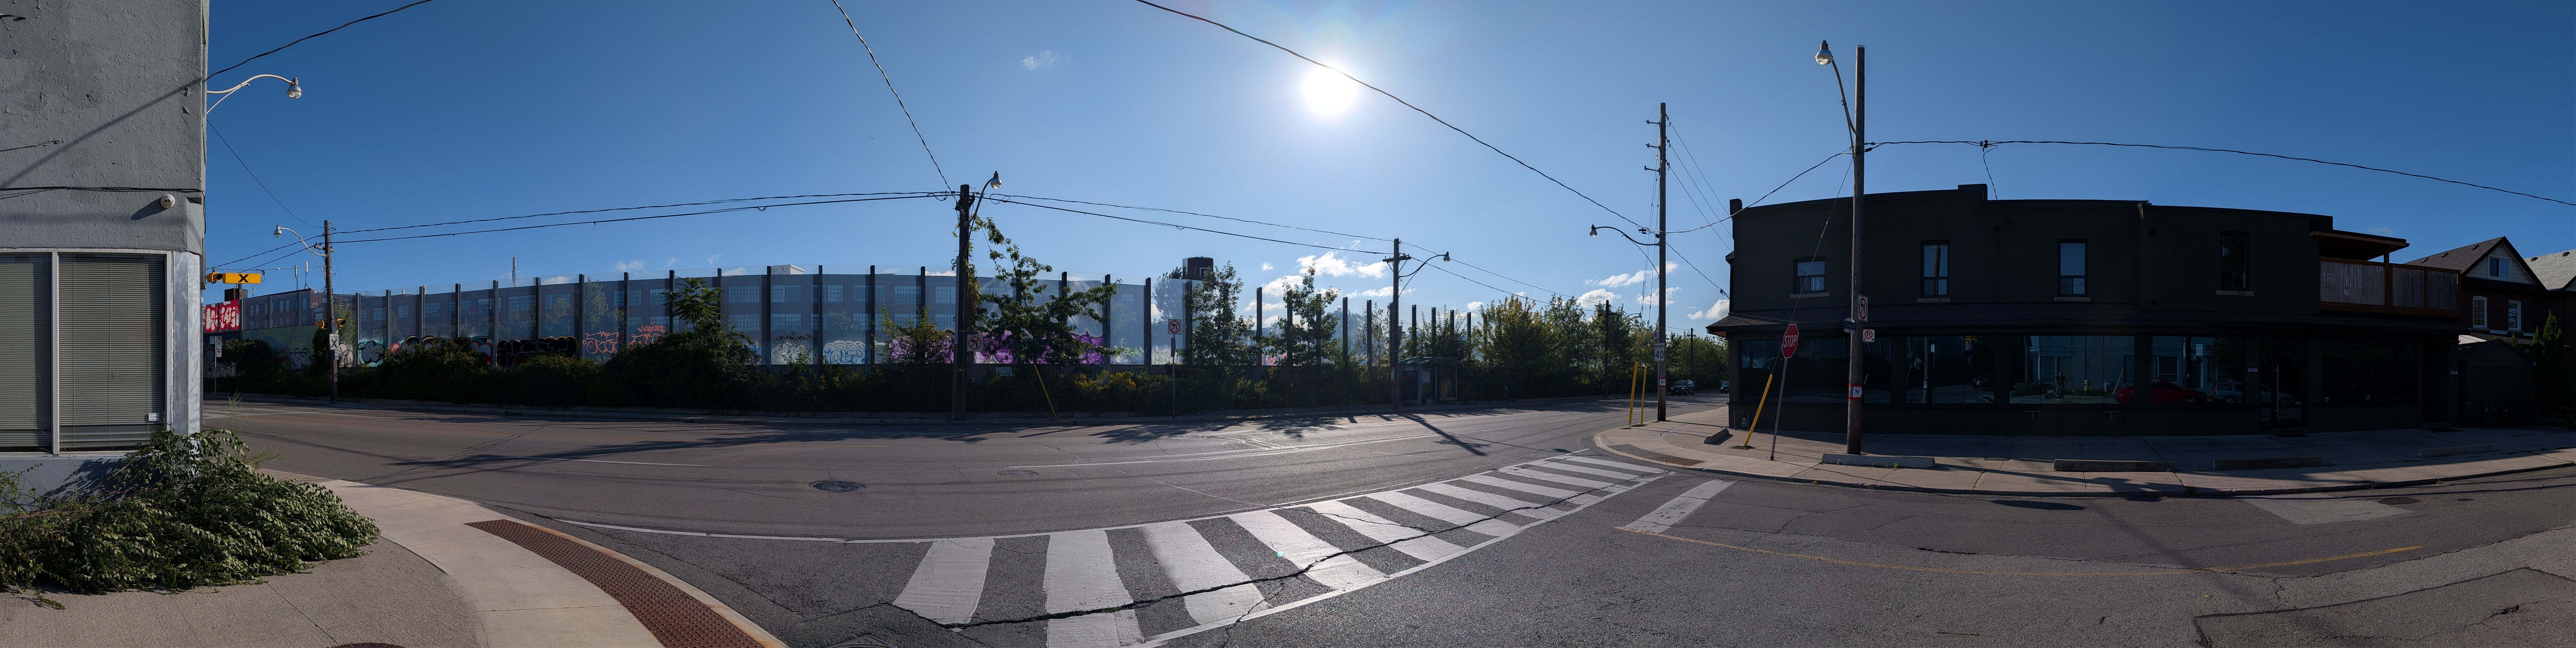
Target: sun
{"points": [[1328, 93]]}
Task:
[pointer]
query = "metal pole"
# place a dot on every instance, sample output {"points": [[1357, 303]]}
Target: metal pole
{"points": [[1663, 294], [961, 358], [1860, 135], [330, 313], [1394, 327]]}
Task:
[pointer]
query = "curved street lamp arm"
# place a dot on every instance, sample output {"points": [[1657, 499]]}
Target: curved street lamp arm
{"points": [[294, 89], [1596, 231]]}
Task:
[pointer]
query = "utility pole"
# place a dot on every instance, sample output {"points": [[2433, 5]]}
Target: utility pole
{"points": [[961, 357], [1394, 327], [1663, 294], [331, 313], [1852, 324]]}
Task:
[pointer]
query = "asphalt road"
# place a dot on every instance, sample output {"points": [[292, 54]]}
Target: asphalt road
{"points": [[1038, 510]]}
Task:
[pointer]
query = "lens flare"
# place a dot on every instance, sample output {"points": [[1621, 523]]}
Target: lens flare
{"points": [[1328, 93]]}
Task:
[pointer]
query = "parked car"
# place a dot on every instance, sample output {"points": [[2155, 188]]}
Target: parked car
{"points": [[1725, 386], [2160, 393], [1684, 388]]}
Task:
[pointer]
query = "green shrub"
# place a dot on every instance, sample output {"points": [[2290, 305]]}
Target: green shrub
{"points": [[443, 369], [701, 369], [185, 511], [552, 380]]}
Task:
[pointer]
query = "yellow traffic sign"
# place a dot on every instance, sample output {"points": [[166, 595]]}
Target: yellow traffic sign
{"points": [[232, 277]]}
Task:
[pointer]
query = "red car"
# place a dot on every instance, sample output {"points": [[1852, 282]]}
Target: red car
{"points": [[2159, 393]]}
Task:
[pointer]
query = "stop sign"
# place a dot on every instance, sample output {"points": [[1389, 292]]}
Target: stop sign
{"points": [[1789, 342]]}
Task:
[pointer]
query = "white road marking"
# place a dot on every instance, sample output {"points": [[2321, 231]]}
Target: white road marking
{"points": [[1671, 513], [950, 581], [1477, 496], [1413, 542], [1295, 544], [1559, 465], [1622, 465], [1238, 454], [1548, 476], [1082, 575], [1553, 493], [2322, 508], [630, 463], [1195, 565], [1446, 513]]}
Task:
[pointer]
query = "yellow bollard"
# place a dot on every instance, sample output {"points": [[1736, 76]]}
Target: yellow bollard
{"points": [[1757, 412]]}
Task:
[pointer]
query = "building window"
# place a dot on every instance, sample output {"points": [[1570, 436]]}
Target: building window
{"points": [[786, 294], [1954, 369], [832, 293], [2513, 315], [2232, 274], [2193, 370], [2074, 368], [1936, 269], [2070, 268], [2369, 371], [742, 294], [1810, 277], [2478, 312], [2495, 267]]}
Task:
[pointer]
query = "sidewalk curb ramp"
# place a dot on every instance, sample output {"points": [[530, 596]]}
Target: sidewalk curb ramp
{"points": [[528, 585]]}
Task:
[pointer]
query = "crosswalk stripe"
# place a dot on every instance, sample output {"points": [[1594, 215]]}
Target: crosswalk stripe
{"points": [[1447, 513], [1588, 470], [1622, 465], [1671, 513], [1480, 497], [1406, 539], [1497, 482], [950, 581], [1304, 549], [1195, 565], [1548, 476], [1082, 575]]}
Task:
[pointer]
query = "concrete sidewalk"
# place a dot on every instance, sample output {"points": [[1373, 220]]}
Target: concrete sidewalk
{"points": [[446, 572], [2026, 465]]}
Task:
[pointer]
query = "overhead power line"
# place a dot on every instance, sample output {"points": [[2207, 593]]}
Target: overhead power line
{"points": [[1407, 104], [1172, 225], [254, 175], [1176, 211], [316, 35], [898, 96], [1991, 143], [689, 204], [638, 218]]}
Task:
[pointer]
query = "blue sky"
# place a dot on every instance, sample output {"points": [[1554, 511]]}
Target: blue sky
{"points": [[475, 109]]}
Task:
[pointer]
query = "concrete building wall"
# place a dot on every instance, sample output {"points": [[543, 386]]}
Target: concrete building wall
{"points": [[101, 103]]}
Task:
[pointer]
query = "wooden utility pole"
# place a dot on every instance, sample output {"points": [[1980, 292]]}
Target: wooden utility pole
{"points": [[962, 357], [331, 313]]}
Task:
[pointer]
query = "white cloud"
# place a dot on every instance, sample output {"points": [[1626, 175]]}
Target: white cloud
{"points": [[1649, 299], [674, 261], [1044, 59], [1265, 265], [1475, 306], [1328, 265], [630, 266], [1715, 311], [1631, 279], [711, 260], [1597, 296]]}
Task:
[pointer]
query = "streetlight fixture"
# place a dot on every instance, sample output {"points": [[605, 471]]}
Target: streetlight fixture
{"points": [[294, 89], [330, 306]]}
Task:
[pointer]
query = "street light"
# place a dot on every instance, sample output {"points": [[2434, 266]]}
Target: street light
{"points": [[330, 312], [294, 89], [1856, 123]]}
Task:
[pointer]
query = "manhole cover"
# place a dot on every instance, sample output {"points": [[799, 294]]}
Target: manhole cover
{"points": [[1019, 473], [831, 486], [2400, 500]]}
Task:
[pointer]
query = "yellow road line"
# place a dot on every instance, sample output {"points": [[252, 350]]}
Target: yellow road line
{"points": [[560, 436], [2171, 572]]}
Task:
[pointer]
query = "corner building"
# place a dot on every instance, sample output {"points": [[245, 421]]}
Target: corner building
{"points": [[2086, 317]]}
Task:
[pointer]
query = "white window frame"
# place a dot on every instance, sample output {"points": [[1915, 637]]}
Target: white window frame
{"points": [[2478, 312], [2513, 315]]}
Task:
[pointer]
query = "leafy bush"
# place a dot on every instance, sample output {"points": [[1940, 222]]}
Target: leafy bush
{"points": [[440, 369], [185, 511]]}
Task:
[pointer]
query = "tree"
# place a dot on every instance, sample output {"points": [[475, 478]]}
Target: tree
{"points": [[1219, 334], [1618, 340], [1034, 328], [1306, 335], [707, 366]]}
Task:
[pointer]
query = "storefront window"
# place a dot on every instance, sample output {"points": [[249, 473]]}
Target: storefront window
{"points": [[1955, 369], [2370, 371], [1816, 374], [2074, 369], [2195, 370]]}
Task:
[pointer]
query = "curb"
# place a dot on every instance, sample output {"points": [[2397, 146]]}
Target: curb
{"points": [[2187, 491], [517, 597]]}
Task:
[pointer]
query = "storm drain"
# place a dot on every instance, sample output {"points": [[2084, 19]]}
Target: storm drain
{"points": [[675, 618], [832, 486]]}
